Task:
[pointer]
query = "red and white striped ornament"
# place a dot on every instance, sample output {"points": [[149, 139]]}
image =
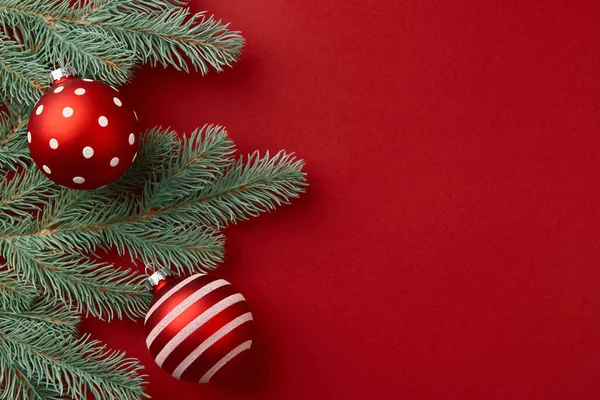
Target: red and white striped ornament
{"points": [[197, 325]]}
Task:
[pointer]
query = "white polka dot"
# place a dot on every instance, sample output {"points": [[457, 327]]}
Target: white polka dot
{"points": [[29, 137], [79, 180], [114, 88], [59, 89], [67, 112], [131, 138], [39, 110], [89, 80], [79, 91], [117, 101], [114, 162], [134, 156], [88, 152], [136, 118], [53, 143], [103, 121], [46, 169]]}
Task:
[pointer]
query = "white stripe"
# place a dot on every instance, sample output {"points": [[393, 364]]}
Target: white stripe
{"points": [[231, 355], [181, 307], [170, 293], [209, 342], [195, 324]]}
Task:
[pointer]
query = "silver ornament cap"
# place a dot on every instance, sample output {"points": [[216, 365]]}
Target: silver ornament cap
{"points": [[62, 72], [156, 277]]}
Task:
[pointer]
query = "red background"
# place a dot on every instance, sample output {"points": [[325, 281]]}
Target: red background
{"points": [[448, 245]]}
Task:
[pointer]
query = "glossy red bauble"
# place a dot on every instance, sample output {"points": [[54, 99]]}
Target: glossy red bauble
{"points": [[196, 326], [81, 134]]}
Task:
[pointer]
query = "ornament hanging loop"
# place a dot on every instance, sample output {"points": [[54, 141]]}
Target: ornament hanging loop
{"points": [[149, 270]]}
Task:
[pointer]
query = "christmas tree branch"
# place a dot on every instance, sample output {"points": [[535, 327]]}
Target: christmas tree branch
{"points": [[185, 248], [43, 315], [13, 142], [46, 27], [16, 380], [22, 194], [21, 77], [16, 384], [166, 211], [104, 57], [78, 281], [194, 187], [159, 147], [68, 366], [197, 161], [245, 190], [15, 296], [105, 40], [171, 37], [153, 239]]}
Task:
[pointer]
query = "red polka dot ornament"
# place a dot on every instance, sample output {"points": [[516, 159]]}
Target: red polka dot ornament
{"points": [[81, 134]]}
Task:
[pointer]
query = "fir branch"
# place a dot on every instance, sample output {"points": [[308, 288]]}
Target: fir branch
{"points": [[158, 241], [158, 147], [146, 236], [197, 161], [22, 194], [87, 221], [166, 210], [193, 188], [78, 281], [246, 189], [13, 142], [49, 29], [23, 79], [15, 384], [71, 367], [105, 39], [94, 53], [172, 37], [44, 315], [144, 6], [15, 296]]}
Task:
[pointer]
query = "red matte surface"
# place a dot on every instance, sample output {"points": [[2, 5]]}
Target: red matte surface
{"points": [[448, 245]]}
